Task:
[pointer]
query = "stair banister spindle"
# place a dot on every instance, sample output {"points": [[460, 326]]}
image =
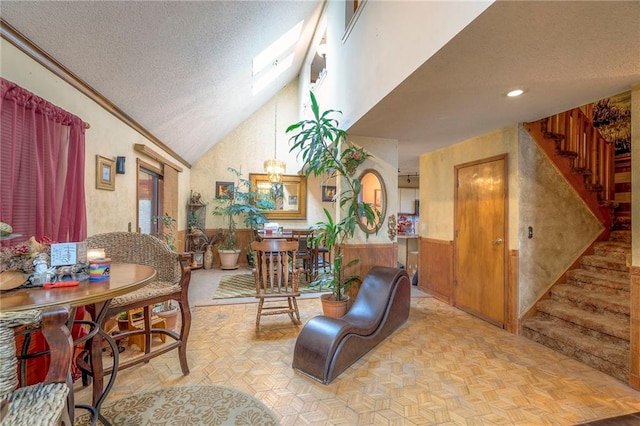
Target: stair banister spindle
{"points": [[567, 132], [595, 154]]}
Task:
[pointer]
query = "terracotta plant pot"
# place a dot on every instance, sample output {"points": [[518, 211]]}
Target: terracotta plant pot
{"points": [[333, 308], [171, 316], [229, 259]]}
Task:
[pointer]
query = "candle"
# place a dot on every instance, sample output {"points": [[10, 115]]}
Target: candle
{"points": [[99, 269], [93, 254]]}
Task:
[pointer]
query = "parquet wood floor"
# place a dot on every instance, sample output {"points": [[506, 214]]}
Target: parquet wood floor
{"points": [[444, 367]]}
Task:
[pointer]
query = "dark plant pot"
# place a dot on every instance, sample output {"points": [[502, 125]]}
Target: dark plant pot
{"points": [[123, 324]]}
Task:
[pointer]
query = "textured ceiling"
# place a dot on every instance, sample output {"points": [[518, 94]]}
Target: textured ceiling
{"points": [[564, 53], [183, 69]]}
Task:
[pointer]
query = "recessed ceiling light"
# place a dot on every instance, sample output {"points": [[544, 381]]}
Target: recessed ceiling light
{"points": [[514, 93]]}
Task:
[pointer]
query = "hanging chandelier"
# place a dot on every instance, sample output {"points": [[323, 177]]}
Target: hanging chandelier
{"points": [[275, 168]]}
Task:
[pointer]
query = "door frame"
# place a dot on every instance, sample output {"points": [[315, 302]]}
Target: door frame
{"points": [[160, 201], [507, 285]]}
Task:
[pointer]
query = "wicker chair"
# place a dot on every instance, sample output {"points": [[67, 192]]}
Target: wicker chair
{"points": [[43, 403], [171, 283]]}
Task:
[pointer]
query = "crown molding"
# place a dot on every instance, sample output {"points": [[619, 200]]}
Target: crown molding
{"points": [[14, 37]]}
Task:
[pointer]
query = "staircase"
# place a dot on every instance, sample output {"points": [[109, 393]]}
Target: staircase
{"points": [[587, 317]]}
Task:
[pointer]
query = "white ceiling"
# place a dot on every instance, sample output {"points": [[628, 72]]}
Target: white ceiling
{"points": [[183, 69]]}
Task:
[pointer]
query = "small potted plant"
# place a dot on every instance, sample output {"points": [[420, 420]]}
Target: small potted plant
{"points": [[243, 200], [326, 150], [166, 231]]}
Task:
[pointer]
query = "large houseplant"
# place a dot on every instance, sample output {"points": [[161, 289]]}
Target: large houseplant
{"points": [[325, 150], [244, 201]]}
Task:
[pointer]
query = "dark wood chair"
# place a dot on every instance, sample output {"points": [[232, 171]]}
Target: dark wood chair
{"points": [[307, 252], [171, 283], [43, 403], [277, 278]]}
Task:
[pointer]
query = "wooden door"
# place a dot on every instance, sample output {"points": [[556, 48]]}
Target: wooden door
{"points": [[480, 239]]}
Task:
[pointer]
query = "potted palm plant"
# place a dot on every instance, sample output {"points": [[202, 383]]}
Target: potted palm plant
{"points": [[326, 151], [243, 200]]}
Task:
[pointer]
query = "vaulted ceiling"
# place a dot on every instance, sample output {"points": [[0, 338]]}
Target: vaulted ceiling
{"points": [[182, 70]]}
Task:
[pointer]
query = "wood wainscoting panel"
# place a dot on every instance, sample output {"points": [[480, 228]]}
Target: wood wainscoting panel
{"points": [[511, 299], [634, 358], [436, 268], [369, 255]]}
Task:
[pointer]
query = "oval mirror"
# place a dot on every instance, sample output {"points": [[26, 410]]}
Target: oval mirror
{"points": [[374, 193]]}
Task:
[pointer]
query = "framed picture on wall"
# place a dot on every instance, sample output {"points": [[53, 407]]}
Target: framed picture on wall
{"points": [[105, 173], [328, 192], [224, 189]]}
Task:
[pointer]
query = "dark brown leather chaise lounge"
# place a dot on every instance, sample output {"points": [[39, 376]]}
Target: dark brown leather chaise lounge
{"points": [[327, 346]]}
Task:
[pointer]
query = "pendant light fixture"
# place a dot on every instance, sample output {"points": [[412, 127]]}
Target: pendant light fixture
{"points": [[275, 168]]}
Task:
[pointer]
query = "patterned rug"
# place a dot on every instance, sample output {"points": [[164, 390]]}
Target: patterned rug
{"points": [[243, 285], [187, 406]]}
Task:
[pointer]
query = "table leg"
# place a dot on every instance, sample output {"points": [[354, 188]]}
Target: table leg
{"points": [[100, 391]]}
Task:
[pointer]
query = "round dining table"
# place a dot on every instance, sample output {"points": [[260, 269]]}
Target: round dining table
{"points": [[123, 278], [96, 295]]}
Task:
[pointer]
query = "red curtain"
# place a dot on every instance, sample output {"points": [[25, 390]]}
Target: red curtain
{"points": [[42, 159]]}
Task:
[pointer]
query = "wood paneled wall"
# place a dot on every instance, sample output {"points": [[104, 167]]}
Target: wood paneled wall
{"points": [[435, 274], [243, 237], [511, 299], [369, 255], [634, 359]]}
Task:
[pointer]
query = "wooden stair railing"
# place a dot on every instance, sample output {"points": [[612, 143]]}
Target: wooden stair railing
{"points": [[585, 158]]}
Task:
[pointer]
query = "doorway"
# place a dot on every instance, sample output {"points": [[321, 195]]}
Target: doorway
{"points": [[150, 199], [480, 238]]}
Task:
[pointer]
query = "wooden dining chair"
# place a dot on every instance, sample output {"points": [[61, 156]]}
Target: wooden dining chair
{"points": [[44, 403], [277, 279], [307, 253]]}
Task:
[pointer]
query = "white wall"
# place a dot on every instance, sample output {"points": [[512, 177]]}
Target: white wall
{"points": [[389, 40], [108, 137], [384, 160]]}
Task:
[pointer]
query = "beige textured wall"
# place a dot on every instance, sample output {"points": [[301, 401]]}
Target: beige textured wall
{"points": [[246, 148], [563, 226], [108, 137], [436, 181]]}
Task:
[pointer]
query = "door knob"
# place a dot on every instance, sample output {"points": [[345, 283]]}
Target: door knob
{"points": [[498, 241]]}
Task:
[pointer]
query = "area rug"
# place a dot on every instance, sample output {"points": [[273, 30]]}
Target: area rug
{"points": [[244, 285], [187, 406]]}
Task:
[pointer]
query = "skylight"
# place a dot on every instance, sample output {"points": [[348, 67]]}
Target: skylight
{"points": [[277, 48], [278, 68], [270, 57]]}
